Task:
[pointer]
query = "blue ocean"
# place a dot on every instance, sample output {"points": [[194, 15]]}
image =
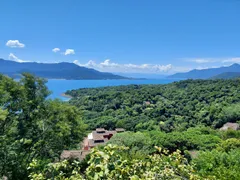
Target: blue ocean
{"points": [[58, 87]]}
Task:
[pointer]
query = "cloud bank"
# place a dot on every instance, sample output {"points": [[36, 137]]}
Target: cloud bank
{"points": [[213, 60], [201, 60], [15, 44], [108, 66], [232, 60]]}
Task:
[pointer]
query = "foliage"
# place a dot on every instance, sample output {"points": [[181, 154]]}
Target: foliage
{"points": [[3, 114], [222, 165], [69, 170], [229, 144], [175, 106], [232, 112], [191, 139], [32, 127], [222, 162], [34, 130], [108, 163], [229, 134], [138, 143], [142, 143]]}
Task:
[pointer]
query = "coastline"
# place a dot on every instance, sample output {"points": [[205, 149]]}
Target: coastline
{"points": [[66, 96], [59, 88]]}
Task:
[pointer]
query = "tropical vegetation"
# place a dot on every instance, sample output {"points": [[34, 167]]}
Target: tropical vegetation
{"points": [[176, 106], [172, 131]]}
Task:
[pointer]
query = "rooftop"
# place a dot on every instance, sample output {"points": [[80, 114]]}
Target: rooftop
{"points": [[74, 154], [98, 137], [119, 129], [101, 136], [233, 126]]}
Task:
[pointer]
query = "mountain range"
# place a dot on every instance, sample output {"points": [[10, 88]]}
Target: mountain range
{"points": [[222, 72], [63, 70], [227, 75]]}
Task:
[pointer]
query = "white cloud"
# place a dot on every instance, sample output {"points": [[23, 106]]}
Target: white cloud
{"points": [[90, 64], [69, 51], [76, 62], [15, 44], [213, 60], [108, 66], [201, 60], [55, 50], [231, 60], [107, 63], [15, 58]]}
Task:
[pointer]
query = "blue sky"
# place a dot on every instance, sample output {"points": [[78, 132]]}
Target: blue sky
{"points": [[147, 36]]}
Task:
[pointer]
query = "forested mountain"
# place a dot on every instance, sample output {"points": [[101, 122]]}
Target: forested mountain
{"points": [[206, 73], [62, 70], [227, 75], [169, 107]]}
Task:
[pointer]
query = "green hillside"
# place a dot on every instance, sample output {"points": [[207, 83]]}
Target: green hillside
{"points": [[174, 106]]}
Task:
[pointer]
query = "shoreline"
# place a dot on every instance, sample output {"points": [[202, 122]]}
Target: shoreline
{"points": [[66, 96]]}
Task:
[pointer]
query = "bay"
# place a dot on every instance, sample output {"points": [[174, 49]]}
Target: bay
{"points": [[60, 86]]}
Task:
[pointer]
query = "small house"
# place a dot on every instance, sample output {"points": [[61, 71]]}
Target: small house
{"points": [[232, 126]]}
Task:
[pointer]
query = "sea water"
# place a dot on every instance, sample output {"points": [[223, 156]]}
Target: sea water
{"points": [[60, 86]]}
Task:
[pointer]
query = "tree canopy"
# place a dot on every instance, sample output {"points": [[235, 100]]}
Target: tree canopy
{"points": [[172, 131], [175, 106], [32, 127]]}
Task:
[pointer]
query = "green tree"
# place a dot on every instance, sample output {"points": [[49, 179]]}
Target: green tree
{"points": [[109, 163], [229, 144], [138, 143], [32, 127], [222, 165]]}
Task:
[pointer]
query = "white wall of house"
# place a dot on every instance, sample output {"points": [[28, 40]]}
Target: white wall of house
{"points": [[90, 136]]}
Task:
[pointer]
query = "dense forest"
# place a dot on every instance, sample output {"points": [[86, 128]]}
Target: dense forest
{"points": [[175, 106], [172, 131]]}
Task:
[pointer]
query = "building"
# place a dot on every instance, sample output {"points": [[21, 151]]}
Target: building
{"points": [[99, 137], [147, 103], [232, 126]]}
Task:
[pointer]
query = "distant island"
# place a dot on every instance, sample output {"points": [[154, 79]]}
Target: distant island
{"points": [[219, 73], [63, 70]]}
